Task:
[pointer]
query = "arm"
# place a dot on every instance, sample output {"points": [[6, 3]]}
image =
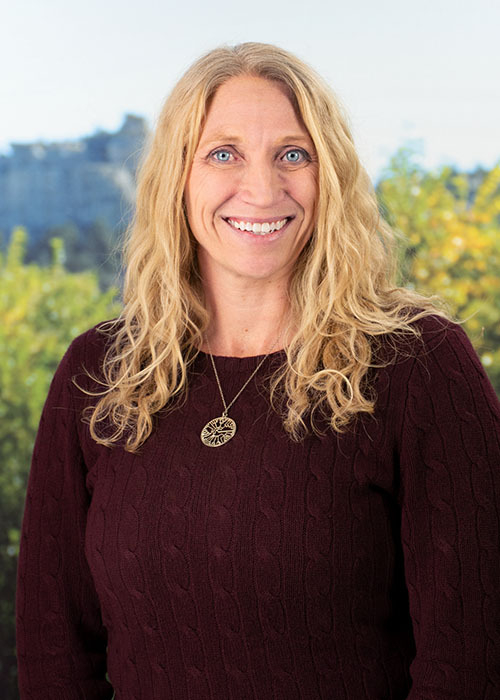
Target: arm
{"points": [[60, 637], [450, 499]]}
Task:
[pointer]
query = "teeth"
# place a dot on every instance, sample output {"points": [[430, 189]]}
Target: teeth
{"points": [[261, 229]]}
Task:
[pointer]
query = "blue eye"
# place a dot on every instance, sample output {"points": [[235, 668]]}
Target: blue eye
{"points": [[222, 156], [295, 155]]}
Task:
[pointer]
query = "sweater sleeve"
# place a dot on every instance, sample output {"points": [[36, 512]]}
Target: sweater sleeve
{"points": [[60, 637], [450, 491]]}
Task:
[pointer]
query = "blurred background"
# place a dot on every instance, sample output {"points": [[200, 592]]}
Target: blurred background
{"points": [[81, 86]]}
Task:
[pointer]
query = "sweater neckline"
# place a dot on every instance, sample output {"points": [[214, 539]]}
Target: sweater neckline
{"points": [[240, 364]]}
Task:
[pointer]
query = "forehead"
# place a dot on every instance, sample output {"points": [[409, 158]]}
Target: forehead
{"points": [[246, 103]]}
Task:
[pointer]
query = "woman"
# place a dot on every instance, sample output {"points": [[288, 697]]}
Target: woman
{"points": [[286, 485]]}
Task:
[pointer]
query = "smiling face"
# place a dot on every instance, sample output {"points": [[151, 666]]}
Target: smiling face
{"points": [[252, 187]]}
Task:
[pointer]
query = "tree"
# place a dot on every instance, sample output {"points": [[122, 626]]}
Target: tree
{"points": [[42, 309], [450, 225], [87, 248]]}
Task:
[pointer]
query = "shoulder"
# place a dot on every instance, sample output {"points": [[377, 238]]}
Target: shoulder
{"points": [[435, 339], [446, 378], [444, 349], [77, 374], [435, 330], [93, 342], [433, 371], [83, 360]]}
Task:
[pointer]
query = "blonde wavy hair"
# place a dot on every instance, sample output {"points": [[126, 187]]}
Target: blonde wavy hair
{"points": [[342, 294]]}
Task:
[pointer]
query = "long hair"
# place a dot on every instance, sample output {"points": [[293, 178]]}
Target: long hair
{"points": [[342, 293]]}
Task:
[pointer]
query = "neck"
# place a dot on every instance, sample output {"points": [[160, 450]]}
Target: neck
{"points": [[246, 319]]}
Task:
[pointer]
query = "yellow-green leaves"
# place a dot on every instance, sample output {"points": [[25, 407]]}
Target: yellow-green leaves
{"points": [[451, 244]]}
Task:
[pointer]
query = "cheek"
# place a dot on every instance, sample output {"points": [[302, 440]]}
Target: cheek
{"points": [[305, 192], [205, 193], [195, 201]]}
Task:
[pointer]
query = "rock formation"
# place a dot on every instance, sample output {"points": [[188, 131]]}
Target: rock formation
{"points": [[45, 185]]}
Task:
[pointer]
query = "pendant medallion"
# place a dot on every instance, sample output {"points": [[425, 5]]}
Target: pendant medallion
{"points": [[218, 431]]}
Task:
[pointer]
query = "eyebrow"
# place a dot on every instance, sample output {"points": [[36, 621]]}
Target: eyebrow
{"points": [[224, 138]]}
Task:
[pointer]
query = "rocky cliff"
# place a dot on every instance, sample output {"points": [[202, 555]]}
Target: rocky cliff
{"points": [[45, 185]]}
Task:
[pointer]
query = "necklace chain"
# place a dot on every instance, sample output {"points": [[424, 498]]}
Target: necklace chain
{"points": [[220, 430], [228, 406]]}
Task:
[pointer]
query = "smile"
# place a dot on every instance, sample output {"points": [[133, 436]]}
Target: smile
{"points": [[259, 228]]}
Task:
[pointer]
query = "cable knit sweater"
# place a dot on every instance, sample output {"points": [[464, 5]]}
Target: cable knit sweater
{"points": [[345, 567]]}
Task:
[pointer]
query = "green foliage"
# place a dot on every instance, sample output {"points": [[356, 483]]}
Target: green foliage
{"points": [[41, 310], [450, 225], [90, 248]]}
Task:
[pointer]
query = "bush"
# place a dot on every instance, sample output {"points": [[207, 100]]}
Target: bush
{"points": [[450, 225], [41, 309]]}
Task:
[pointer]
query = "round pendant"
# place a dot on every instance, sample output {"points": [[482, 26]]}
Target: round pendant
{"points": [[218, 431]]}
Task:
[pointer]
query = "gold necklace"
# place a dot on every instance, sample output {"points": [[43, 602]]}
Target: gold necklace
{"points": [[220, 430]]}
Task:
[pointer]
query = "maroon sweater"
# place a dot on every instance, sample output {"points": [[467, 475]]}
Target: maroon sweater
{"points": [[345, 567]]}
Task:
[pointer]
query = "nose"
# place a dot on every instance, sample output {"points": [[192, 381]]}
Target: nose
{"points": [[261, 184]]}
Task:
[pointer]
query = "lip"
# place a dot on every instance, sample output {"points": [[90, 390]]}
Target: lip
{"points": [[253, 220]]}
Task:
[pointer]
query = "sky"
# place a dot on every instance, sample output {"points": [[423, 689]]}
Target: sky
{"points": [[408, 73]]}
